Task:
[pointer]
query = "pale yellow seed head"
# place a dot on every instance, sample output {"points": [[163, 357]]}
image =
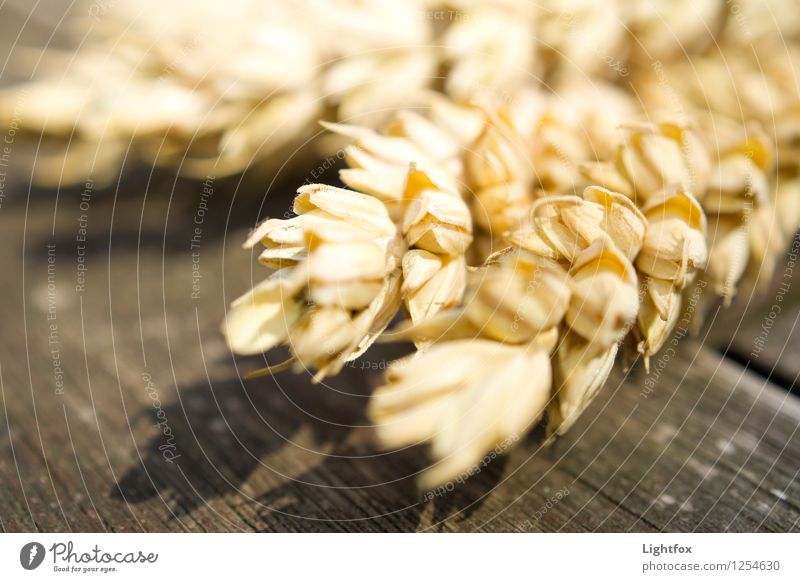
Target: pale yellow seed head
{"points": [[580, 372], [604, 294], [465, 398]]}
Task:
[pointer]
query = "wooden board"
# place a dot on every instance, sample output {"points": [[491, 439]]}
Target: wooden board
{"points": [[155, 431], [762, 329]]}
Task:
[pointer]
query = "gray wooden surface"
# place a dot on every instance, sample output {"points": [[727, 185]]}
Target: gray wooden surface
{"points": [[702, 445]]}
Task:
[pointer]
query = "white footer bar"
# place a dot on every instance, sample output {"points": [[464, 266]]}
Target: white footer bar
{"points": [[406, 557]]}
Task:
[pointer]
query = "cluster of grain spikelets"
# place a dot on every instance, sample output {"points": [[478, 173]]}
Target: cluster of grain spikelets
{"points": [[522, 310], [749, 109], [584, 232], [402, 242], [335, 285]]}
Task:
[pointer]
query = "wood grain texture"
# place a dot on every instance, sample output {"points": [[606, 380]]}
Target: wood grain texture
{"points": [[762, 329], [702, 444]]}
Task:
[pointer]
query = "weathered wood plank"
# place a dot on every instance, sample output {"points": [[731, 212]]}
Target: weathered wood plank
{"points": [[762, 329], [709, 447]]}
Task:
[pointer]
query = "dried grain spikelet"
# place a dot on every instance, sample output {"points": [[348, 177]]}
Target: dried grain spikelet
{"points": [[518, 113], [352, 213], [499, 156], [754, 144], [549, 135], [340, 272], [622, 220], [530, 239], [604, 300], [431, 138], [599, 109], [343, 285], [368, 173], [358, 209], [675, 244], [607, 175], [435, 220], [324, 339], [347, 271], [464, 397], [461, 119], [728, 252], [489, 45], [322, 332], [565, 225], [580, 373], [372, 321], [578, 216], [431, 283], [260, 319], [379, 163], [284, 241], [392, 77], [655, 156], [557, 150], [736, 185], [518, 297], [502, 208], [658, 314], [575, 34]]}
